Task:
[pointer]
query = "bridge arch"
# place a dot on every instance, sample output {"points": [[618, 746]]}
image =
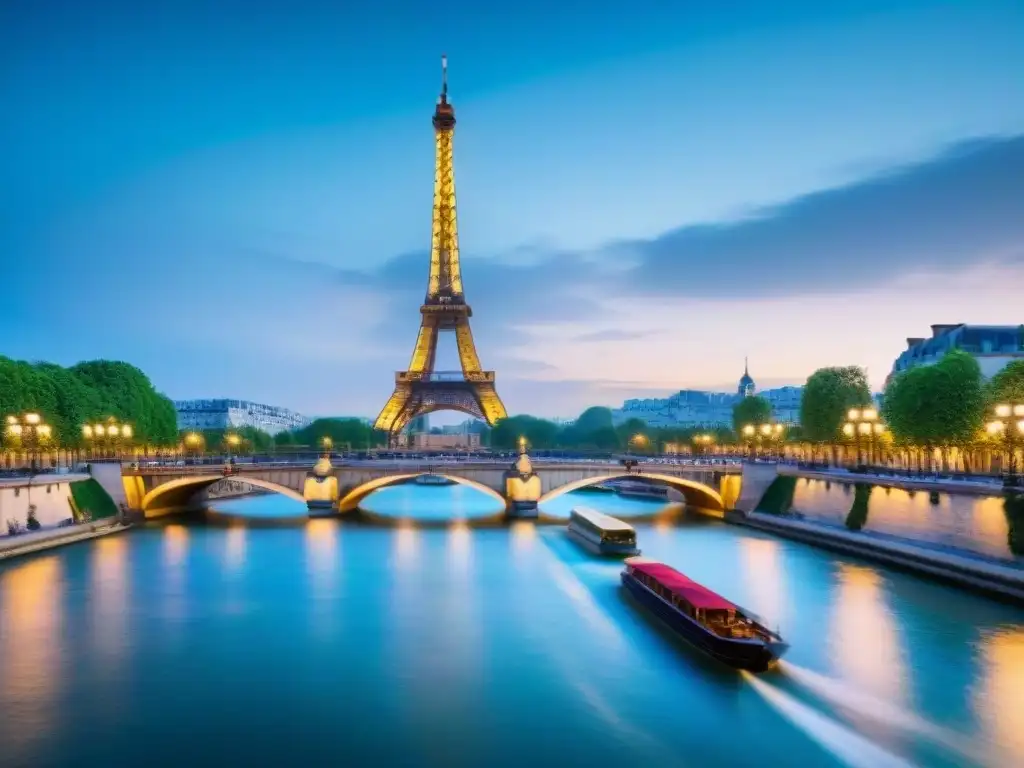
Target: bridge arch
{"points": [[176, 493], [352, 499], [696, 494]]}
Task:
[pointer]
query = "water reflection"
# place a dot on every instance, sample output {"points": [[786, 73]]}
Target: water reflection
{"points": [[974, 523], [31, 619], [460, 547], [322, 550], [763, 574], [109, 598], [523, 536], [406, 546], [863, 638], [999, 697], [234, 547]]}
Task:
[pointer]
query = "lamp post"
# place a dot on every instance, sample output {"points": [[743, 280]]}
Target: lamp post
{"points": [[703, 443], [639, 439], [231, 440], [193, 442], [750, 435], [1009, 422], [771, 433], [862, 423], [30, 432], [327, 444], [107, 437]]}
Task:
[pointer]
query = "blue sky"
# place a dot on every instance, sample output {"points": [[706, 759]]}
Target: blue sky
{"points": [[236, 196]]}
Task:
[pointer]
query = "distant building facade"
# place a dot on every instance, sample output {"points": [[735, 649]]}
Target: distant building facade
{"points": [[697, 408], [233, 414], [993, 346]]}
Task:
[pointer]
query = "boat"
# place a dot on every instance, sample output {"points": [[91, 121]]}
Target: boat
{"points": [[705, 619], [602, 534], [631, 489]]}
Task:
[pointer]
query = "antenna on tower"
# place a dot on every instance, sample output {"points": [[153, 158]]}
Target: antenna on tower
{"points": [[444, 78]]}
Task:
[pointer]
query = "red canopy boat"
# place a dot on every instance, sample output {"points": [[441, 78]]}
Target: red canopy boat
{"points": [[702, 617]]}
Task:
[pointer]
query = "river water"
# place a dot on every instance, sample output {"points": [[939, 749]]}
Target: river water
{"points": [[256, 637]]}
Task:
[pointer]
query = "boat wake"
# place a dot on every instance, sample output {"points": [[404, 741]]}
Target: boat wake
{"points": [[840, 740], [849, 697]]}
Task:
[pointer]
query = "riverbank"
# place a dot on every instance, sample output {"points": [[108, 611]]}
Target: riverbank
{"points": [[39, 541], [1002, 580]]}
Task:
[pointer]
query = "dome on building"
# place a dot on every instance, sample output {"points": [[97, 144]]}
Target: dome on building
{"points": [[747, 386]]}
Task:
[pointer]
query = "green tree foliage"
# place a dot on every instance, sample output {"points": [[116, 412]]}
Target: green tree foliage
{"points": [[828, 395], [539, 433], [93, 391], [750, 410], [1007, 386], [937, 405], [250, 440], [347, 434]]}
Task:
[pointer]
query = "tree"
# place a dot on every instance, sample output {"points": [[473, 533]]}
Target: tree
{"points": [[93, 391], [353, 434], [936, 406], [1007, 386], [539, 433], [828, 395], [750, 410]]}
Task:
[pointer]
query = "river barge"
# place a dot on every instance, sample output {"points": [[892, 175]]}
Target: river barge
{"points": [[703, 618], [602, 534]]}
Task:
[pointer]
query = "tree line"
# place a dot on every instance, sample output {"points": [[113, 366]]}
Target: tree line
{"points": [[86, 393]]}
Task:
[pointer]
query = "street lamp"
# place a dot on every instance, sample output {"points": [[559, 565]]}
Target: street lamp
{"points": [[328, 444], [771, 432], [107, 435], [30, 432], [193, 442], [639, 439], [703, 443], [750, 434], [1009, 422], [863, 423]]}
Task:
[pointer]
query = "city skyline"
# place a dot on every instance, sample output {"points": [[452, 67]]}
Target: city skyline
{"points": [[638, 210]]}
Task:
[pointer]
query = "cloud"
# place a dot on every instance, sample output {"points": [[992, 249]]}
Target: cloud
{"points": [[962, 207], [611, 334], [220, 314]]}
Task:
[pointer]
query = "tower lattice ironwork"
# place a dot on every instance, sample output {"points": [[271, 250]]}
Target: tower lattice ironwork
{"points": [[421, 389]]}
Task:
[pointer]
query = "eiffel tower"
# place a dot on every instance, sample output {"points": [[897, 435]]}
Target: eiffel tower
{"points": [[421, 389]]}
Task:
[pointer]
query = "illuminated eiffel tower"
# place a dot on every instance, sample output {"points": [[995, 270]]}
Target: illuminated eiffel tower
{"points": [[421, 389]]}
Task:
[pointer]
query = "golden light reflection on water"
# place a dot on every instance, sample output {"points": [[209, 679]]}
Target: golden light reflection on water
{"points": [[175, 545], [234, 547], [406, 545], [31, 615], [999, 694], [763, 574], [523, 537], [864, 641], [322, 548], [109, 586], [460, 546]]}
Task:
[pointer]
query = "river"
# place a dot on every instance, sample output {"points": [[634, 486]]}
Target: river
{"points": [[252, 635]]}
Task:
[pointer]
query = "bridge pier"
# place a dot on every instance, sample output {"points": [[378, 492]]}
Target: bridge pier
{"points": [[523, 489], [321, 490]]}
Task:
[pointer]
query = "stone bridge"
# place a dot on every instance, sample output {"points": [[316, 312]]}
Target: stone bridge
{"points": [[326, 488]]}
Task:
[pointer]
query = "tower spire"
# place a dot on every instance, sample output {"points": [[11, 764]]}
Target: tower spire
{"points": [[444, 78], [746, 368]]}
